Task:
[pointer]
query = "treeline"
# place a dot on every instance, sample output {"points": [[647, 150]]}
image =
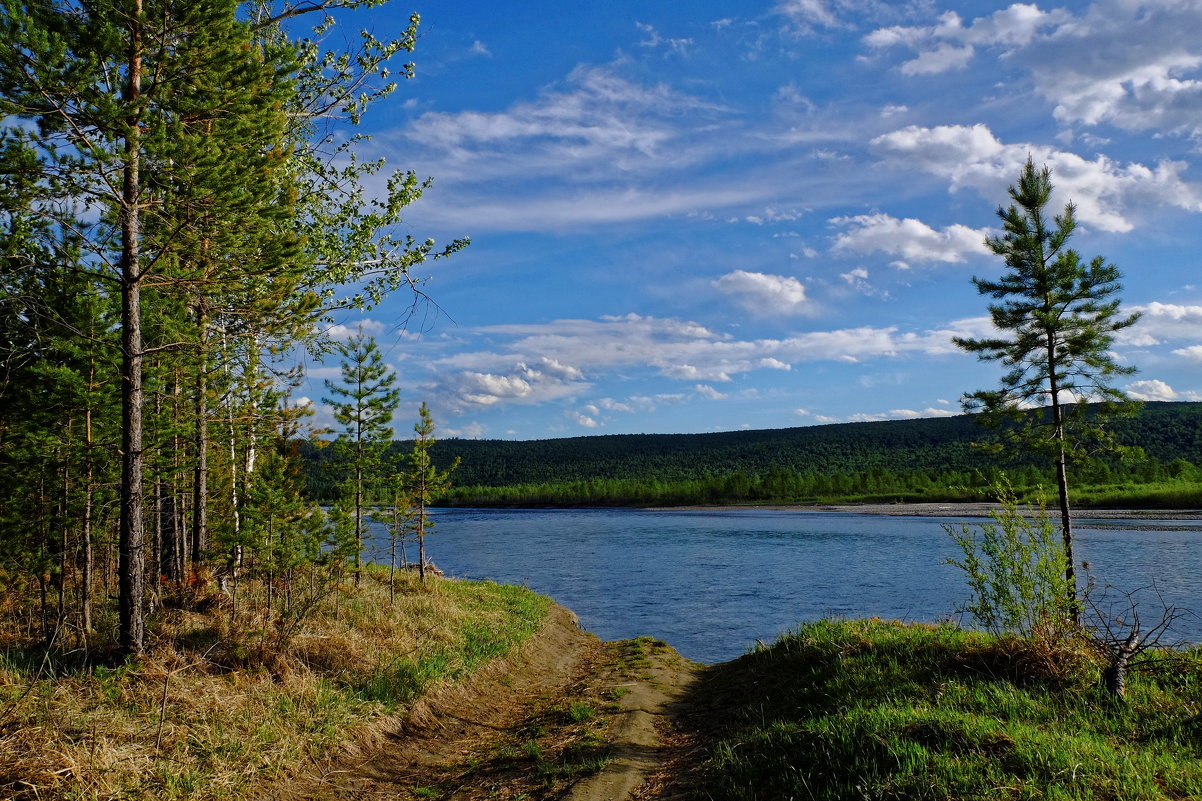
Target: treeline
{"points": [[1145, 484], [911, 460], [177, 213]]}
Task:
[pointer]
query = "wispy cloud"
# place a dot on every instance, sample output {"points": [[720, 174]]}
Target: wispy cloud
{"points": [[545, 362]]}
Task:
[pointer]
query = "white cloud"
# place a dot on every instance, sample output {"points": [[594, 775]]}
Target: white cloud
{"points": [[1162, 321], [473, 430], [760, 292], [950, 44], [524, 369], [909, 238], [364, 327], [584, 420], [804, 14], [770, 215], [1151, 390], [1135, 65], [900, 414], [1106, 193], [943, 58], [480, 49], [1193, 353], [600, 118], [708, 392], [520, 384], [654, 40]]}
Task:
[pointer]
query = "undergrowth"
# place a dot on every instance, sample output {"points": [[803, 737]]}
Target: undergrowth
{"points": [[880, 710], [220, 702]]}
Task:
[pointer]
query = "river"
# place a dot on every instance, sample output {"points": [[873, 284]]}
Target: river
{"points": [[712, 583]]}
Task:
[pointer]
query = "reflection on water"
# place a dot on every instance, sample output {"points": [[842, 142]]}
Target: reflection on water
{"points": [[712, 583]]}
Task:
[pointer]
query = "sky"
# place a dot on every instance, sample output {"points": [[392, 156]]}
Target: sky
{"points": [[693, 216]]}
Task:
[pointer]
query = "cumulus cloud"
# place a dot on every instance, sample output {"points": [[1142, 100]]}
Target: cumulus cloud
{"points": [[521, 383], [1135, 65], [910, 239], [764, 293], [1151, 390], [1160, 322], [1193, 353], [1105, 192], [708, 392], [941, 59], [950, 43], [583, 420], [364, 327]]}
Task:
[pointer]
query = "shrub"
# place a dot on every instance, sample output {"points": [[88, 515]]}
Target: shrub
{"points": [[1015, 570]]}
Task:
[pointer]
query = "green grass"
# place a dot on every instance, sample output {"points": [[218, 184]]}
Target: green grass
{"points": [[878, 710], [495, 618]]}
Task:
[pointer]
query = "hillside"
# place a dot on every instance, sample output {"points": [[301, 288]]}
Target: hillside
{"points": [[1165, 431]]}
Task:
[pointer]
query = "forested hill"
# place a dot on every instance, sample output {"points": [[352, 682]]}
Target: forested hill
{"points": [[1166, 431]]}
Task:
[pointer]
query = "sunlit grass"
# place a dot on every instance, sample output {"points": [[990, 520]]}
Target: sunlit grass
{"points": [[213, 708], [870, 709]]}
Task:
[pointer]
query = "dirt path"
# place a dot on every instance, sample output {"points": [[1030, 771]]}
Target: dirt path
{"points": [[566, 716]]}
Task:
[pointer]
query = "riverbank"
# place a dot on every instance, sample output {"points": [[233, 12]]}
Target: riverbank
{"points": [[830, 710], [958, 510], [452, 689]]}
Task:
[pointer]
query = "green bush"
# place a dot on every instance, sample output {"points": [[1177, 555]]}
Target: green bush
{"points": [[1015, 569]]}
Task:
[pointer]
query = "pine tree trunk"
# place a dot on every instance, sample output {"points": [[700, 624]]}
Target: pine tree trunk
{"points": [[89, 499], [131, 540], [200, 480], [1066, 520]]}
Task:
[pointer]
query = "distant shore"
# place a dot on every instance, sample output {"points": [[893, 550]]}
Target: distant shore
{"points": [[962, 510]]}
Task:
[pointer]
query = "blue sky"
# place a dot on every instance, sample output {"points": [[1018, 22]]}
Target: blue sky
{"points": [[700, 216]]}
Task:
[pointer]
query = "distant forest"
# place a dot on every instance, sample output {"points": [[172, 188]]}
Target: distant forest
{"points": [[896, 460]]}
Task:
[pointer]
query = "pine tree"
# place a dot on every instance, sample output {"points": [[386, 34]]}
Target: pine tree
{"points": [[425, 483], [363, 404], [1056, 319], [128, 95]]}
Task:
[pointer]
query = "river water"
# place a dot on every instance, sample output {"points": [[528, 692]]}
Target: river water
{"points": [[712, 583]]}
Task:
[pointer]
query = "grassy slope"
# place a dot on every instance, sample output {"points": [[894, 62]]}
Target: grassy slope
{"points": [[871, 709], [219, 704]]}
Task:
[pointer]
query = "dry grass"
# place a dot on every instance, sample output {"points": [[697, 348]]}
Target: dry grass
{"points": [[224, 700]]}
